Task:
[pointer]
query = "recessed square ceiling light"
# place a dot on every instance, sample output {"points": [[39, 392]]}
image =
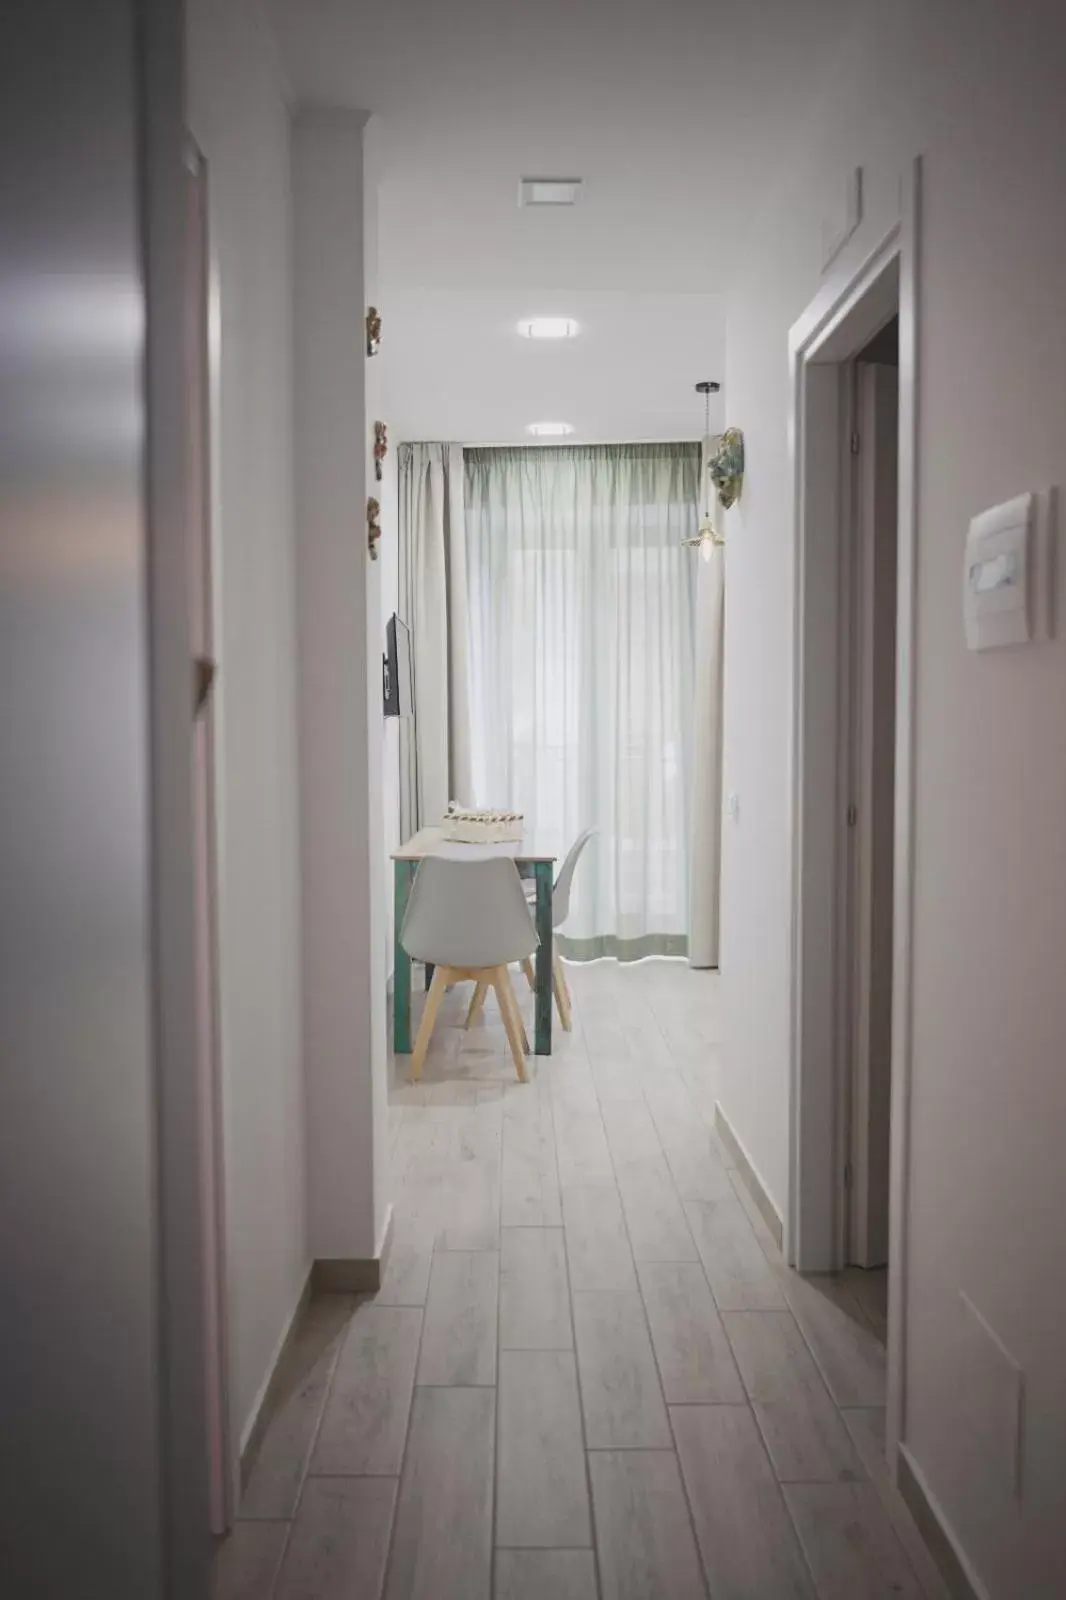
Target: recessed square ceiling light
{"points": [[549, 192], [548, 328], [550, 430]]}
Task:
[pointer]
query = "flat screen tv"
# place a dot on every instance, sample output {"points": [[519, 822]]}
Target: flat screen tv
{"points": [[397, 675]]}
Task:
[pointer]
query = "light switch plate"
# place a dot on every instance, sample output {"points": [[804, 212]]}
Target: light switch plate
{"points": [[1007, 578]]}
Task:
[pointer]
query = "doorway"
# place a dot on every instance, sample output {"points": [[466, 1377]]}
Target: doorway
{"points": [[854, 367], [868, 760]]}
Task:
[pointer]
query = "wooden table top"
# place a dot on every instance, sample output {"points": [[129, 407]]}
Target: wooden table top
{"points": [[431, 842]]}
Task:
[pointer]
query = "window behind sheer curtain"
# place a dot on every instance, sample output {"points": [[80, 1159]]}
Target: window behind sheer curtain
{"points": [[581, 604]]}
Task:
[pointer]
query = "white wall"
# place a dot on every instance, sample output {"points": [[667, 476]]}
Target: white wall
{"points": [[976, 90], [238, 115], [339, 608], [380, 896], [388, 494]]}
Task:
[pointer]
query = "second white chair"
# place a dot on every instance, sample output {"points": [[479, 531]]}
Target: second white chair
{"points": [[560, 912], [469, 919]]}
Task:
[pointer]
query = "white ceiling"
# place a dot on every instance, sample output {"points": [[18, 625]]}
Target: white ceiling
{"points": [[674, 113], [454, 366]]}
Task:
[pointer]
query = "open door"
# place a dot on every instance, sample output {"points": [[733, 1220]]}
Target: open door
{"points": [[202, 709], [872, 815]]}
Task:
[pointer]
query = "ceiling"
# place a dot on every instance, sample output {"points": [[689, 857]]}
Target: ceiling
{"points": [[672, 113], [454, 366]]}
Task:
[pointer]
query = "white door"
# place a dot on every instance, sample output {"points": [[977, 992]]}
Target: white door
{"points": [[874, 733], [202, 633]]}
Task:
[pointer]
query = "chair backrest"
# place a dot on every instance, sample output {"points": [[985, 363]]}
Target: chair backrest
{"points": [[561, 893], [466, 913]]}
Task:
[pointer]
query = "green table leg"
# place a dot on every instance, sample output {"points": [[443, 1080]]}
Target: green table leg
{"points": [[542, 1045], [403, 877]]}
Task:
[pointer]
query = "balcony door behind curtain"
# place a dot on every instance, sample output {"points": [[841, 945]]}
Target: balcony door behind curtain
{"points": [[582, 621]]}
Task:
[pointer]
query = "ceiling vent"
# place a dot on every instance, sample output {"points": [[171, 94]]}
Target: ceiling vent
{"points": [[549, 192], [548, 328]]}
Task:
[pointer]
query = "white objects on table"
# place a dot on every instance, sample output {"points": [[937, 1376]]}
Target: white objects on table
{"points": [[482, 827]]}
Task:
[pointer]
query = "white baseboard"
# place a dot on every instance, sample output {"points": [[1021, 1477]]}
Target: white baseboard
{"points": [[750, 1176], [354, 1274], [936, 1530], [256, 1419], [385, 1239]]}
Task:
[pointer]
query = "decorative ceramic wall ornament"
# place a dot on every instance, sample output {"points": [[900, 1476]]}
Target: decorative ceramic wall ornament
{"points": [[373, 331], [726, 466], [373, 527], [381, 447]]}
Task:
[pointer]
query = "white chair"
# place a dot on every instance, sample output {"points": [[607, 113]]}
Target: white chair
{"points": [[469, 919], [560, 912]]}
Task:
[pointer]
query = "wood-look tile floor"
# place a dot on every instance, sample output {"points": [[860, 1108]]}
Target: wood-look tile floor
{"points": [[588, 1374]]}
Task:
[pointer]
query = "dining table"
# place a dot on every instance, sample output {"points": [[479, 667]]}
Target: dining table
{"points": [[532, 863]]}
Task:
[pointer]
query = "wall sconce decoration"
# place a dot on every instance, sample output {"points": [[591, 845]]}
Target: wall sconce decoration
{"points": [[725, 470], [726, 466], [373, 527], [373, 331], [706, 536], [381, 447]]}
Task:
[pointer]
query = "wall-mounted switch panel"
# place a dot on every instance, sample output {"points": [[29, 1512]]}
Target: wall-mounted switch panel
{"points": [[1007, 573]]}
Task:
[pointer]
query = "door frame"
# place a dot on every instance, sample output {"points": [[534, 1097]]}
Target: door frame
{"points": [[179, 1263], [223, 1466], [858, 296]]}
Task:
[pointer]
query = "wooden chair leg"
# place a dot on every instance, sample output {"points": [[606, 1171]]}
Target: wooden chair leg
{"points": [[477, 1003], [429, 1016], [501, 982], [528, 969], [516, 1011], [521, 1022], [519, 1018], [562, 993]]}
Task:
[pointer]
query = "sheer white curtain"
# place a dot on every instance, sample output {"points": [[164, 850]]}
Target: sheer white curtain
{"points": [[705, 892], [434, 744], [581, 608]]}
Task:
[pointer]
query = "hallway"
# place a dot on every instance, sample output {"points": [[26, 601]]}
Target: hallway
{"points": [[588, 1371]]}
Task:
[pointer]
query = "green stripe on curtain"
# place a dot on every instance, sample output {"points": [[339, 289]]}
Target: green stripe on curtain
{"points": [[622, 949]]}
